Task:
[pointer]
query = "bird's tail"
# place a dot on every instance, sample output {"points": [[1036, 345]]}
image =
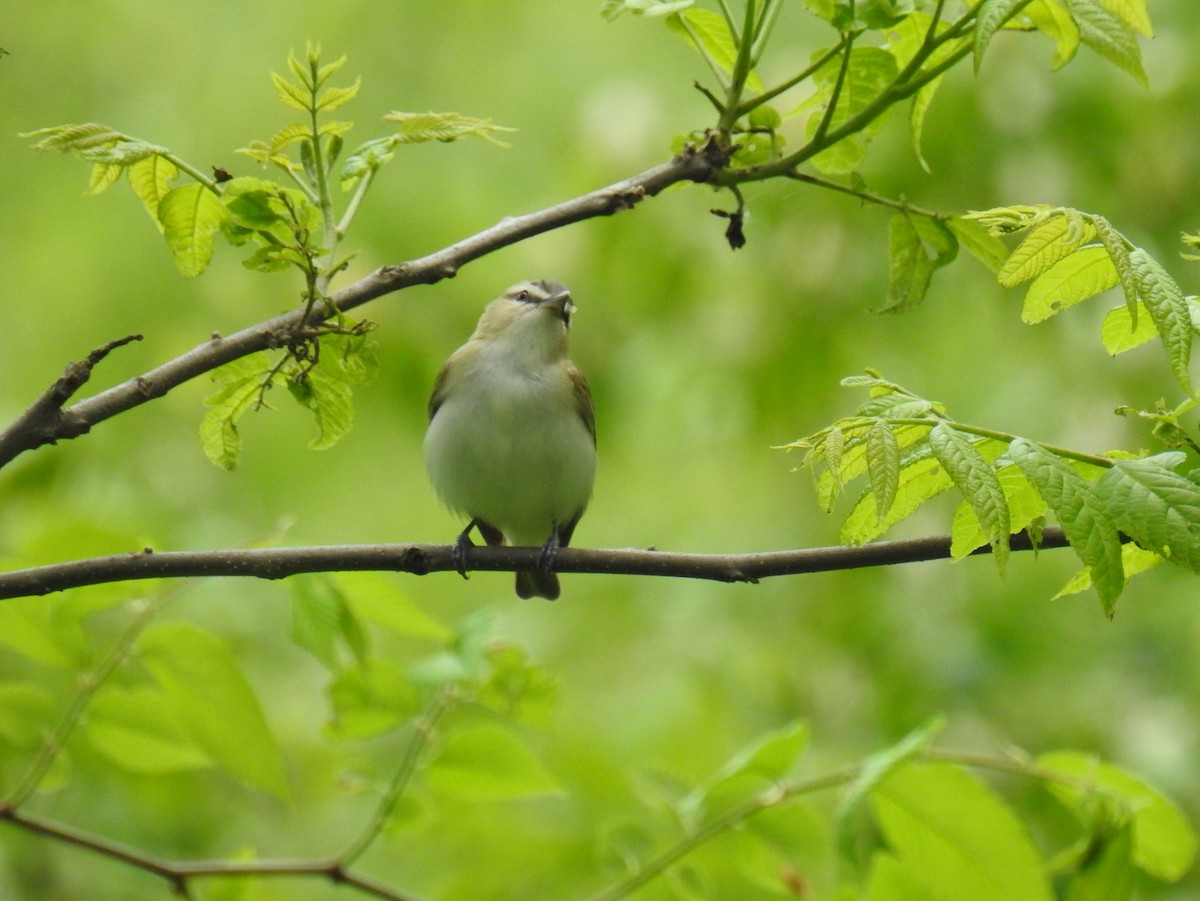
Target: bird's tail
{"points": [[537, 583]]}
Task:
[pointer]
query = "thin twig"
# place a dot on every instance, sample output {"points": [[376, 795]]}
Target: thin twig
{"points": [[420, 559]]}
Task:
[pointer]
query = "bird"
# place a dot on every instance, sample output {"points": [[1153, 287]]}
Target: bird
{"points": [[511, 442]]}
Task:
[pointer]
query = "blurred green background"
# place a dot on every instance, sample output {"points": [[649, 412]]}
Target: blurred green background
{"points": [[701, 360]]}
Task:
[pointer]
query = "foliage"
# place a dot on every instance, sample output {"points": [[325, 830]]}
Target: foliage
{"points": [[288, 227], [459, 713]]}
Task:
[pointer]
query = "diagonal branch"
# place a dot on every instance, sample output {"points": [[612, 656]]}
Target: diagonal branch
{"points": [[47, 421], [421, 559]]}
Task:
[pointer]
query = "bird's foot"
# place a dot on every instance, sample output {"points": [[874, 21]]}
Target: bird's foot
{"points": [[458, 554], [549, 552]]}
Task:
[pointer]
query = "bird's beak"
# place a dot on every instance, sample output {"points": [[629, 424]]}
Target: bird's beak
{"points": [[562, 306]]}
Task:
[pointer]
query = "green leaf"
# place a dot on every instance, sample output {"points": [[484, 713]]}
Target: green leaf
{"points": [[1109, 36], [883, 466], [151, 180], [102, 177], [991, 15], [1051, 239], [213, 702], [1052, 19], [1088, 522], [917, 246], [416, 128], [708, 32], [976, 479], [870, 70], [1134, 560], [488, 763], [190, 214], [882, 764], [1024, 502], [330, 400], [1083, 274], [1105, 871], [370, 699], [137, 730], [920, 479], [976, 240], [1118, 251], [291, 95], [1164, 842], [73, 138], [26, 712], [243, 382], [949, 836], [373, 596], [42, 630], [1169, 309], [1157, 507], [322, 621], [1132, 12], [331, 98], [1119, 333]]}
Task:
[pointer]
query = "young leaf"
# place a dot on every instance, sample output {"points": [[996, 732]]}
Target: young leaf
{"points": [[1085, 518], [488, 763], [1156, 506], [917, 246], [1169, 309], [992, 14], [190, 214], [322, 622], [1121, 331], [1164, 842], [976, 240], [708, 32], [921, 478], [1052, 19], [1134, 560], [883, 466], [1132, 12], [150, 180], [870, 71], [1051, 239], [1109, 36], [1085, 273], [291, 95], [882, 764], [331, 98], [949, 836], [371, 698], [976, 479], [1118, 251], [213, 702], [329, 398], [1025, 505], [243, 383], [416, 128], [136, 730]]}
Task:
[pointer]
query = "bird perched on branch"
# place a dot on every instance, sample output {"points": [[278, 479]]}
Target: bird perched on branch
{"points": [[512, 431]]}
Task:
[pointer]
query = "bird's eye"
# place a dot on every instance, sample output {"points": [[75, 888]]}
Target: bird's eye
{"points": [[523, 296]]}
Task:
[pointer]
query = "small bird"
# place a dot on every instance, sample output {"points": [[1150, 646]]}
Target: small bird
{"points": [[512, 431]]}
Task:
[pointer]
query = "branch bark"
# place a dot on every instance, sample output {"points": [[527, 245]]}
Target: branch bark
{"points": [[47, 422], [421, 559]]}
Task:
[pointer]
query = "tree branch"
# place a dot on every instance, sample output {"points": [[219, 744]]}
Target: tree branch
{"points": [[421, 559], [47, 422]]}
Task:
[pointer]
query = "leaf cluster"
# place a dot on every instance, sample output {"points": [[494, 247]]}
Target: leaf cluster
{"points": [[887, 51], [910, 821], [289, 226], [1068, 256], [907, 450]]}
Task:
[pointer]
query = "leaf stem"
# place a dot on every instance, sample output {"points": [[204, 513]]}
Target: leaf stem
{"points": [[422, 734]]}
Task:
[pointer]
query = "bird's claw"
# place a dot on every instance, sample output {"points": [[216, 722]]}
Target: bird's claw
{"points": [[549, 552], [458, 554]]}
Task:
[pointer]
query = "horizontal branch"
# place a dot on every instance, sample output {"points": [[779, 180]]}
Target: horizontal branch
{"points": [[421, 559], [180, 873], [694, 164]]}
